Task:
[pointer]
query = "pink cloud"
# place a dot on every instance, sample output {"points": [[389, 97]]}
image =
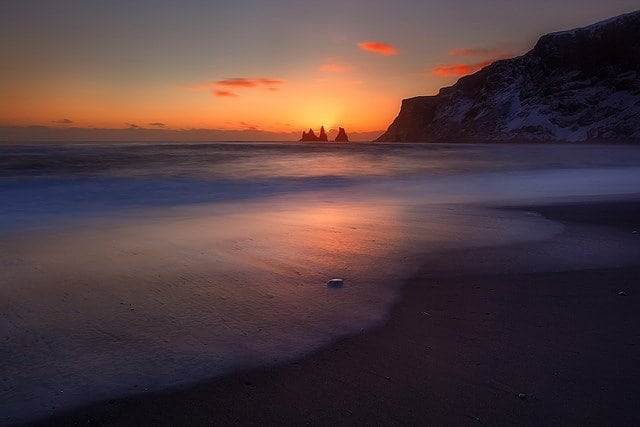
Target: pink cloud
{"points": [[218, 88], [378, 48], [269, 82], [224, 93], [459, 70], [244, 82]]}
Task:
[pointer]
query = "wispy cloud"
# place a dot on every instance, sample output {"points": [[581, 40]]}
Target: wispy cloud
{"points": [[378, 48], [224, 93], [63, 121], [237, 82], [491, 55], [459, 70], [334, 68], [248, 126], [132, 126], [244, 82], [158, 124], [269, 82], [221, 87]]}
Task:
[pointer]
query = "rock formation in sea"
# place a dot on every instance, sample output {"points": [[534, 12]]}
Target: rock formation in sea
{"points": [[577, 85], [323, 135], [341, 136], [309, 136]]}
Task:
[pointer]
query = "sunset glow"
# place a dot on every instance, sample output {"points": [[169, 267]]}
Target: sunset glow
{"points": [[249, 66]]}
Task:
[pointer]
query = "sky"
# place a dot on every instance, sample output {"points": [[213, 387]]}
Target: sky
{"points": [[255, 65]]}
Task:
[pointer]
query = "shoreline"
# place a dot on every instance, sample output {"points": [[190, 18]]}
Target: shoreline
{"points": [[460, 347]]}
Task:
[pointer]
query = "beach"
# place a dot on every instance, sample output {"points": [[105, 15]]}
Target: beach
{"points": [[150, 283], [477, 338]]}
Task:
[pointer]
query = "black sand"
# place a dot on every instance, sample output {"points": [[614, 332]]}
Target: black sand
{"points": [[488, 344]]}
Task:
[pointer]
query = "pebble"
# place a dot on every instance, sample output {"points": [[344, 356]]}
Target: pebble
{"points": [[335, 283], [522, 396]]}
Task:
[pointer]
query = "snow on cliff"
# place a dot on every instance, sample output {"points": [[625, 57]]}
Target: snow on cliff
{"points": [[577, 85]]}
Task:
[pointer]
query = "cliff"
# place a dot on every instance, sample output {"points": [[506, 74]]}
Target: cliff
{"points": [[577, 85]]}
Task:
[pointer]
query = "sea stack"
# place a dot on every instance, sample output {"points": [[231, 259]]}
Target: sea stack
{"points": [[309, 136], [323, 135], [341, 136]]}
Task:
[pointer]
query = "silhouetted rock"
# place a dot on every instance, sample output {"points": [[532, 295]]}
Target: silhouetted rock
{"points": [[577, 85], [309, 136], [323, 135], [342, 136]]}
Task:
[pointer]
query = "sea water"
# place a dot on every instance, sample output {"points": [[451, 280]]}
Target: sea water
{"points": [[128, 268]]}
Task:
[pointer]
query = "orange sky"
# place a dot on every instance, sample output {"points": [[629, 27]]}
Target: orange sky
{"points": [[279, 66], [327, 92]]}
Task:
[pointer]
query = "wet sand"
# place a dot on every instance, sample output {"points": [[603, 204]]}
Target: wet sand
{"points": [[478, 338]]}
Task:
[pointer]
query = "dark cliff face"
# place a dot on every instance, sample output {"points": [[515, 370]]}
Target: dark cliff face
{"points": [[576, 85]]}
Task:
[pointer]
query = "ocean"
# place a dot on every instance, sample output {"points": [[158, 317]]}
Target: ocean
{"points": [[128, 268]]}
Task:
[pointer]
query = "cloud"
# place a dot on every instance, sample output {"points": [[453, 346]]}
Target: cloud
{"points": [[237, 82], [270, 82], [378, 48], [244, 82], [220, 87], [224, 93], [132, 126], [63, 121], [460, 70], [334, 68], [249, 126], [157, 124]]}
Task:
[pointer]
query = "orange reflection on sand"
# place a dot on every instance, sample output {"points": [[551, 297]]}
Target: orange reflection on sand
{"points": [[338, 233]]}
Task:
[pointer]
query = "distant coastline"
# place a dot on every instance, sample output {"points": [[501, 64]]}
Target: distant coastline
{"points": [[20, 134]]}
